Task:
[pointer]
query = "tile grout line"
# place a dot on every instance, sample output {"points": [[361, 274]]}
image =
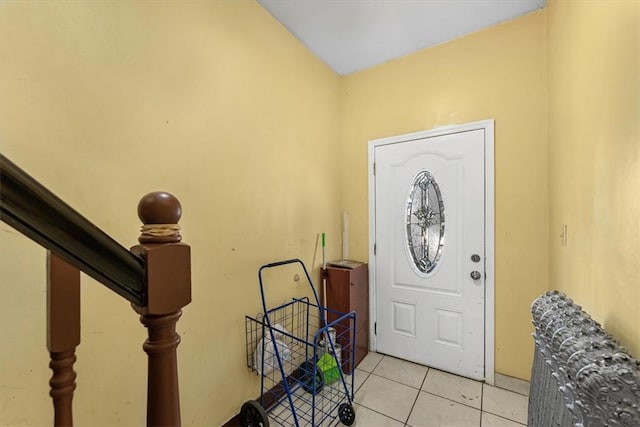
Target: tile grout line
{"points": [[369, 376], [454, 401], [481, 409], [379, 413], [513, 390], [481, 402], [505, 418], [508, 379], [398, 382], [381, 359], [498, 415], [417, 396], [361, 384], [428, 392]]}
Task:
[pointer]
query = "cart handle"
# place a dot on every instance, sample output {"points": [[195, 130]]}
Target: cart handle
{"points": [[306, 273], [278, 263]]}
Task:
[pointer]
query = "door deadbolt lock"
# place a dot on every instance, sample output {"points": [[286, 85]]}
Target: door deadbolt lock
{"points": [[475, 275], [475, 258]]}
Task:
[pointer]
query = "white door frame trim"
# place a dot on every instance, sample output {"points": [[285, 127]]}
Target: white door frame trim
{"points": [[489, 225]]}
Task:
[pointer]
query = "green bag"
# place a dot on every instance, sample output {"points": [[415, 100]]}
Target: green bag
{"points": [[329, 367]]}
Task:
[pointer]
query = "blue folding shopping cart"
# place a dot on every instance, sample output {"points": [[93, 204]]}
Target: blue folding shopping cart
{"points": [[300, 357]]}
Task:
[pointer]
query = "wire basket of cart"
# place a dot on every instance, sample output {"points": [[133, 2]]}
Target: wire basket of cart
{"points": [[301, 351]]}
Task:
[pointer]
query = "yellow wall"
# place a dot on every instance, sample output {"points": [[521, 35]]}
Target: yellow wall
{"points": [[213, 101], [498, 73], [217, 103], [594, 159]]}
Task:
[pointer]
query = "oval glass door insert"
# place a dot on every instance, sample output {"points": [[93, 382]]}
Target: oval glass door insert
{"points": [[425, 222]]}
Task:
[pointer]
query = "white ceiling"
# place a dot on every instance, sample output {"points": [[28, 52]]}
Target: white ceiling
{"points": [[351, 35]]}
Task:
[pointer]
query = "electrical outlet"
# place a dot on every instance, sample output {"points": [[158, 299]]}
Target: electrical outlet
{"points": [[563, 235]]}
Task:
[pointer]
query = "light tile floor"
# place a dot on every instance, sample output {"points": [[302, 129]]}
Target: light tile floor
{"points": [[394, 392]]}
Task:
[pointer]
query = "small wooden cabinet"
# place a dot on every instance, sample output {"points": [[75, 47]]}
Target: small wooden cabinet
{"points": [[348, 290]]}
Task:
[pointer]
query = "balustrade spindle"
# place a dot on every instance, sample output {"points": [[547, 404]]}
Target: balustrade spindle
{"points": [[63, 334]]}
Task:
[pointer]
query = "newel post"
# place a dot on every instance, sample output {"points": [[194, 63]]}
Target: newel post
{"points": [[168, 277]]}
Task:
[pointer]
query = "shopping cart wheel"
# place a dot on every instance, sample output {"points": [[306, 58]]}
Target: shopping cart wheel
{"points": [[346, 414], [253, 414], [307, 382]]}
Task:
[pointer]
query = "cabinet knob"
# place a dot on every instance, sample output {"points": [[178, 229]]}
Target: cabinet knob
{"points": [[353, 284]]}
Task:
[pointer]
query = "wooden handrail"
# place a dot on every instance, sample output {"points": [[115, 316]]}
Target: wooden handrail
{"points": [[155, 276], [36, 212]]}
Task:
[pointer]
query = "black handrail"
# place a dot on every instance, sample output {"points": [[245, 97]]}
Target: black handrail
{"points": [[36, 212]]}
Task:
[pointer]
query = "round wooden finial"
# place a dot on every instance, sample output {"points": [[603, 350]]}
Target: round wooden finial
{"points": [[159, 212]]}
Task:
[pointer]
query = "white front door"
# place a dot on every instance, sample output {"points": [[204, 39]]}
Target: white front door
{"points": [[430, 250]]}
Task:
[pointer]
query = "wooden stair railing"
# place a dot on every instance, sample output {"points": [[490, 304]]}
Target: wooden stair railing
{"points": [[155, 276]]}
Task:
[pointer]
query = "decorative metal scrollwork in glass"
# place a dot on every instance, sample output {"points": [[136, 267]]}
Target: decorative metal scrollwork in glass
{"points": [[425, 222]]}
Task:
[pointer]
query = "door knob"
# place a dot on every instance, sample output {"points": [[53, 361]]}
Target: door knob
{"points": [[475, 275]]}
